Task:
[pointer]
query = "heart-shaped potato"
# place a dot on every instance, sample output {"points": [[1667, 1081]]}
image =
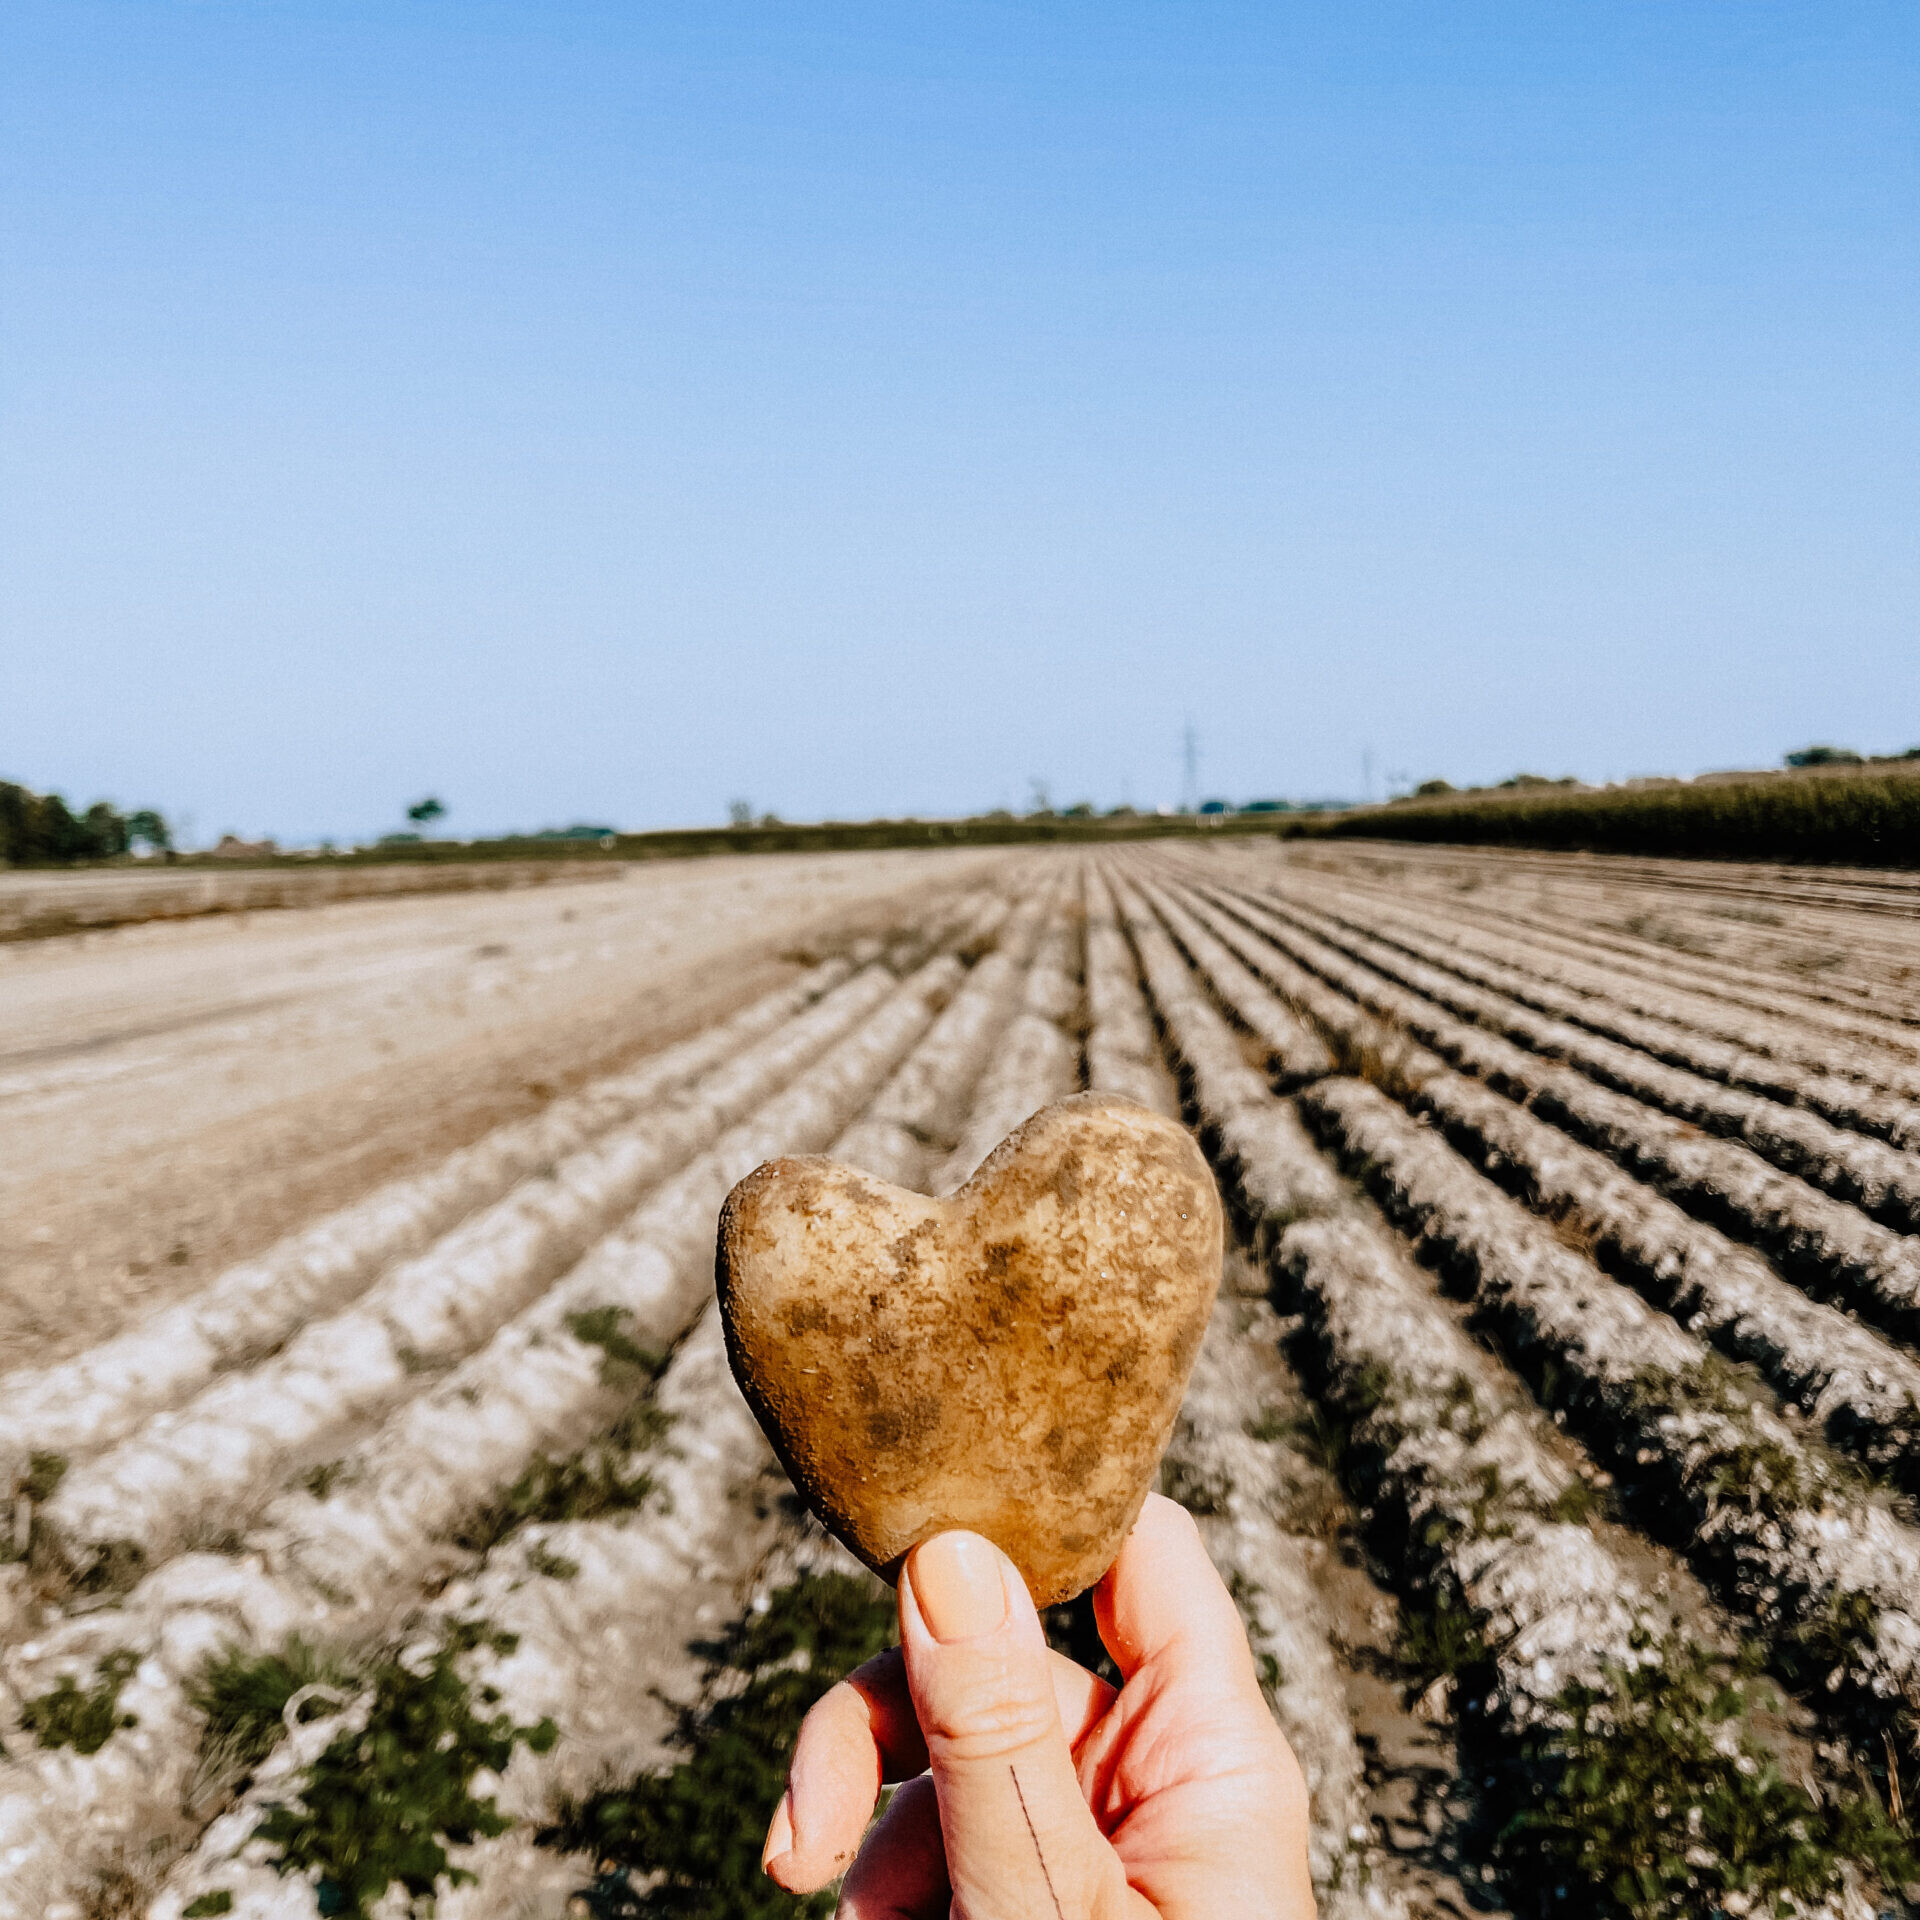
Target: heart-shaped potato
{"points": [[1008, 1360]]}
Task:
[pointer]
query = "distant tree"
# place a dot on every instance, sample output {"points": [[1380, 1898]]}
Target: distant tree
{"points": [[1042, 799], [423, 813], [41, 830], [145, 828], [770, 820], [1824, 757], [59, 835], [740, 813], [1432, 789], [105, 831], [1080, 810]]}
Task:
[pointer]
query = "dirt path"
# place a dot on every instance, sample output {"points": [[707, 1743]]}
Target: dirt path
{"points": [[175, 1096]]}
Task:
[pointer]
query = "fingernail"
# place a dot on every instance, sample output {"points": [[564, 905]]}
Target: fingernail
{"points": [[956, 1580], [779, 1833]]}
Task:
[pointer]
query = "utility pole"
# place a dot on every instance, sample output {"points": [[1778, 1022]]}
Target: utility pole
{"points": [[1190, 758]]}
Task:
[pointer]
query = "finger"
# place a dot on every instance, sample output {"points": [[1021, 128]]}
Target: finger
{"points": [[833, 1781], [1020, 1842], [901, 1873], [1192, 1710], [858, 1735], [1162, 1600]]}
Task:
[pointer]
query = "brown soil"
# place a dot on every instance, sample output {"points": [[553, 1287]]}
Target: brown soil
{"points": [[39, 905], [176, 1096]]}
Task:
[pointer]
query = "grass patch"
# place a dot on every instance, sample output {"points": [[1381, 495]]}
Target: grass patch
{"points": [[83, 1718], [1808, 961], [551, 1566], [695, 1832], [116, 1567], [380, 1806], [1576, 1503], [45, 1471], [243, 1699], [1662, 933], [600, 1479], [1752, 1474], [623, 1361], [1271, 1424], [1439, 1639], [1650, 1793], [1320, 1438], [1830, 1641]]}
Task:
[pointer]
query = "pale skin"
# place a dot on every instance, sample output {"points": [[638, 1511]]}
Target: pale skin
{"points": [[1033, 1790]]}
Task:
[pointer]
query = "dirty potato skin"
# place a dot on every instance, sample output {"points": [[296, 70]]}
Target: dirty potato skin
{"points": [[1009, 1360]]}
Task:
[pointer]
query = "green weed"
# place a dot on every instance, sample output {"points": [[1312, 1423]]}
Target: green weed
{"points": [[83, 1718], [1755, 1475], [1831, 1640], [551, 1566], [381, 1805], [695, 1832], [1273, 1423], [45, 1471], [1575, 1503], [115, 1567], [1319, 1437], [599, 1479], [1439, 1639], [242, 1699], [623, 1361], [1651, 1793]]}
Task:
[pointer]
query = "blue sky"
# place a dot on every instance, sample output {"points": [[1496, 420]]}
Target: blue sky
{"points": [[603, 411]]}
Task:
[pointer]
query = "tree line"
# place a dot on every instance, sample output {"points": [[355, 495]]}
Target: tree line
{"points": [[41, 830]]}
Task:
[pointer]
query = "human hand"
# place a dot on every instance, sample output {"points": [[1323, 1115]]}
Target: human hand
{"points": [[1035, 1791]]}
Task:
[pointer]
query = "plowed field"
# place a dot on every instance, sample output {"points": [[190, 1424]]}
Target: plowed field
{"points": [[406, 1547]]}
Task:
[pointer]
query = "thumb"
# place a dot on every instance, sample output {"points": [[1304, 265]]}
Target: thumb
{"points": [[1020, 1841]]}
